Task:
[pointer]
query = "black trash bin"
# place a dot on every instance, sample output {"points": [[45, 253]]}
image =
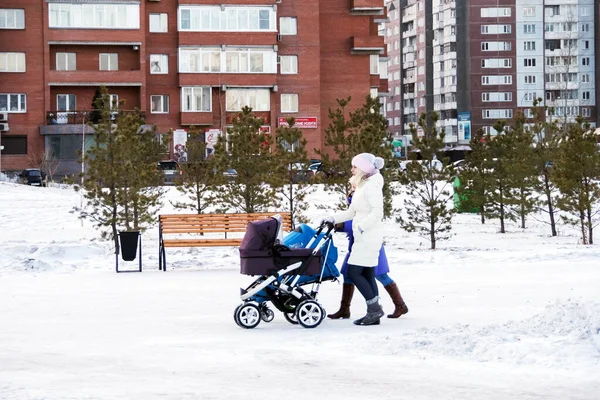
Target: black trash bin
{"points": [[129, 242]]}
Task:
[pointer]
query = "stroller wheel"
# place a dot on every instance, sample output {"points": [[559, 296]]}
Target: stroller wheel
{"points": [[291, 318], [267, 314], [247, 316], [309, 314]]}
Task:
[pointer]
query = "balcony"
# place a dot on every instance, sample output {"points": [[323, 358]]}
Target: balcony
{"points": [[231, 79], [74, 121], [95, 78], [367, 45], [197, 118], [367, 7]]}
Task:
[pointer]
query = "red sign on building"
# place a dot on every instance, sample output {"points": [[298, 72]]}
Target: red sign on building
{"points": [[301, 122]]}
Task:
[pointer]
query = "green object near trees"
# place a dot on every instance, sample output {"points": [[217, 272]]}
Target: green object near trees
{"points": [[461, 198]]}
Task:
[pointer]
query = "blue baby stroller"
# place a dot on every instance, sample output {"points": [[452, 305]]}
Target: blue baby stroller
{"points": [[285, 269]]}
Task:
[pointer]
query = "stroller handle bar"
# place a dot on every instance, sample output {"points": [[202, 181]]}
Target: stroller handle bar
{"points": [[324, 225]]}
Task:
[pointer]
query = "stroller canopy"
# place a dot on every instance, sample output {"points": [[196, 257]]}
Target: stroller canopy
{"points": [[260, 235]]}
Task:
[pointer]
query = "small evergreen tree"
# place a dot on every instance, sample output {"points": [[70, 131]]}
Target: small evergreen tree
{"points": [[544, 155], [197, 180], [337, 138], [247, 150], [121, 176], [522, 169], [576, 174], [427, 187], [95, 114], [290, 157], [473, 177]]}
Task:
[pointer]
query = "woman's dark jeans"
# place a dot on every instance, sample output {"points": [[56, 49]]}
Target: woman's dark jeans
{"points": [[364, 280]]}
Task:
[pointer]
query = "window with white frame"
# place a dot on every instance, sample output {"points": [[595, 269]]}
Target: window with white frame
{"points": [[585, 61], [288, 64], [12, 18], [159, 104], [529, 45], [495, 46], [109, 61], [530, 96], [289, 103], [496, 63], [529, 79], [196, 98], [496, 96], [495, 29], [12, 62], [528, 11], [497, 114], [374, 64], [529, 62], [66, 61], [585, 27], [585, 78], [94, 16], [207, 18], [230, 60], [257, 99], [586, 112], [585, 95], [159, 64], [159, 22], [66, 102], [13, 103], [495, 12], [288, 25], [529, 28], [113, 100]]}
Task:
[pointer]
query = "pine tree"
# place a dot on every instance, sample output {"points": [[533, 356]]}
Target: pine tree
{"points": [[371, 136], [247, 150], [499, 198], [546, 134], [122, 178], [522, 169], [197, 180], [96, 114], [427, 187], [473, 178], [338, 138], [576, 174], [291, 158]]}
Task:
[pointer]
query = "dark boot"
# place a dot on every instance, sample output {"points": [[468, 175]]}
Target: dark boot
{"points": [[374, 313], [344, 311], [394, 293]]}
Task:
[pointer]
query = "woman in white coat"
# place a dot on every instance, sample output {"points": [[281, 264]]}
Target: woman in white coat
{"points": [[366, 213]]}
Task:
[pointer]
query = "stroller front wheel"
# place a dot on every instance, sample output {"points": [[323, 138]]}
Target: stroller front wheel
{"points": [[267, 314], [247, 316], [309, 314]]}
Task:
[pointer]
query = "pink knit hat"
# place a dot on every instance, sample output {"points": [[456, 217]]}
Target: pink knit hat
{"points": [[367, 163]]}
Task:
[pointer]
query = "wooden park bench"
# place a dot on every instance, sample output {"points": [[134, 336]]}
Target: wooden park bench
{"points": [[205, 230]]}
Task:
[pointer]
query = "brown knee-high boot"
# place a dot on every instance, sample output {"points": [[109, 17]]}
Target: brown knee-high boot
{"points": [[394, 293], [344, 311]]}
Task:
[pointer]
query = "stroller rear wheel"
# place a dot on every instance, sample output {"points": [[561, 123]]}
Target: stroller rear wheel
{"points": [[247, 316], [309, 314], [291, 318]]}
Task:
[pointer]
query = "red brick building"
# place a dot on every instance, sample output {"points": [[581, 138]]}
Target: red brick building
{"points": [[184, 63]]}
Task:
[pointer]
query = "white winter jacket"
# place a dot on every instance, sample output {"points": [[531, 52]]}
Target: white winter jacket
{"points": [[366, 212]]}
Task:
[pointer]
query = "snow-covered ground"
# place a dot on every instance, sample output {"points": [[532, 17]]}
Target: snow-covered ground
{"points": [[513, 316]]}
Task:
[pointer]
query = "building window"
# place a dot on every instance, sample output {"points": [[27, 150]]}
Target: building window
{"points": [[585, 27], [288, 25], [529, 79], [159, 22], [14, 103], [529, 62], [66, 102], [257, 99], [14, 145], [496, 97], [529, 28], [109, 62], [289, 103], [585, 112], [497, 114], [196, 99], [66, 61], [585, 95], [496, 63], [529, 11], [585, 61], [159, 104], [12, 62], [494, 12], [12, 18], [374, 64], [585, 78], [529, 45], [94, 16], [217, 19], [159, 64], [288, 64], [232, 60]]}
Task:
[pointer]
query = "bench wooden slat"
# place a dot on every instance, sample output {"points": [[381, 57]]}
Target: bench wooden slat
{"points": [[202, 242]]}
